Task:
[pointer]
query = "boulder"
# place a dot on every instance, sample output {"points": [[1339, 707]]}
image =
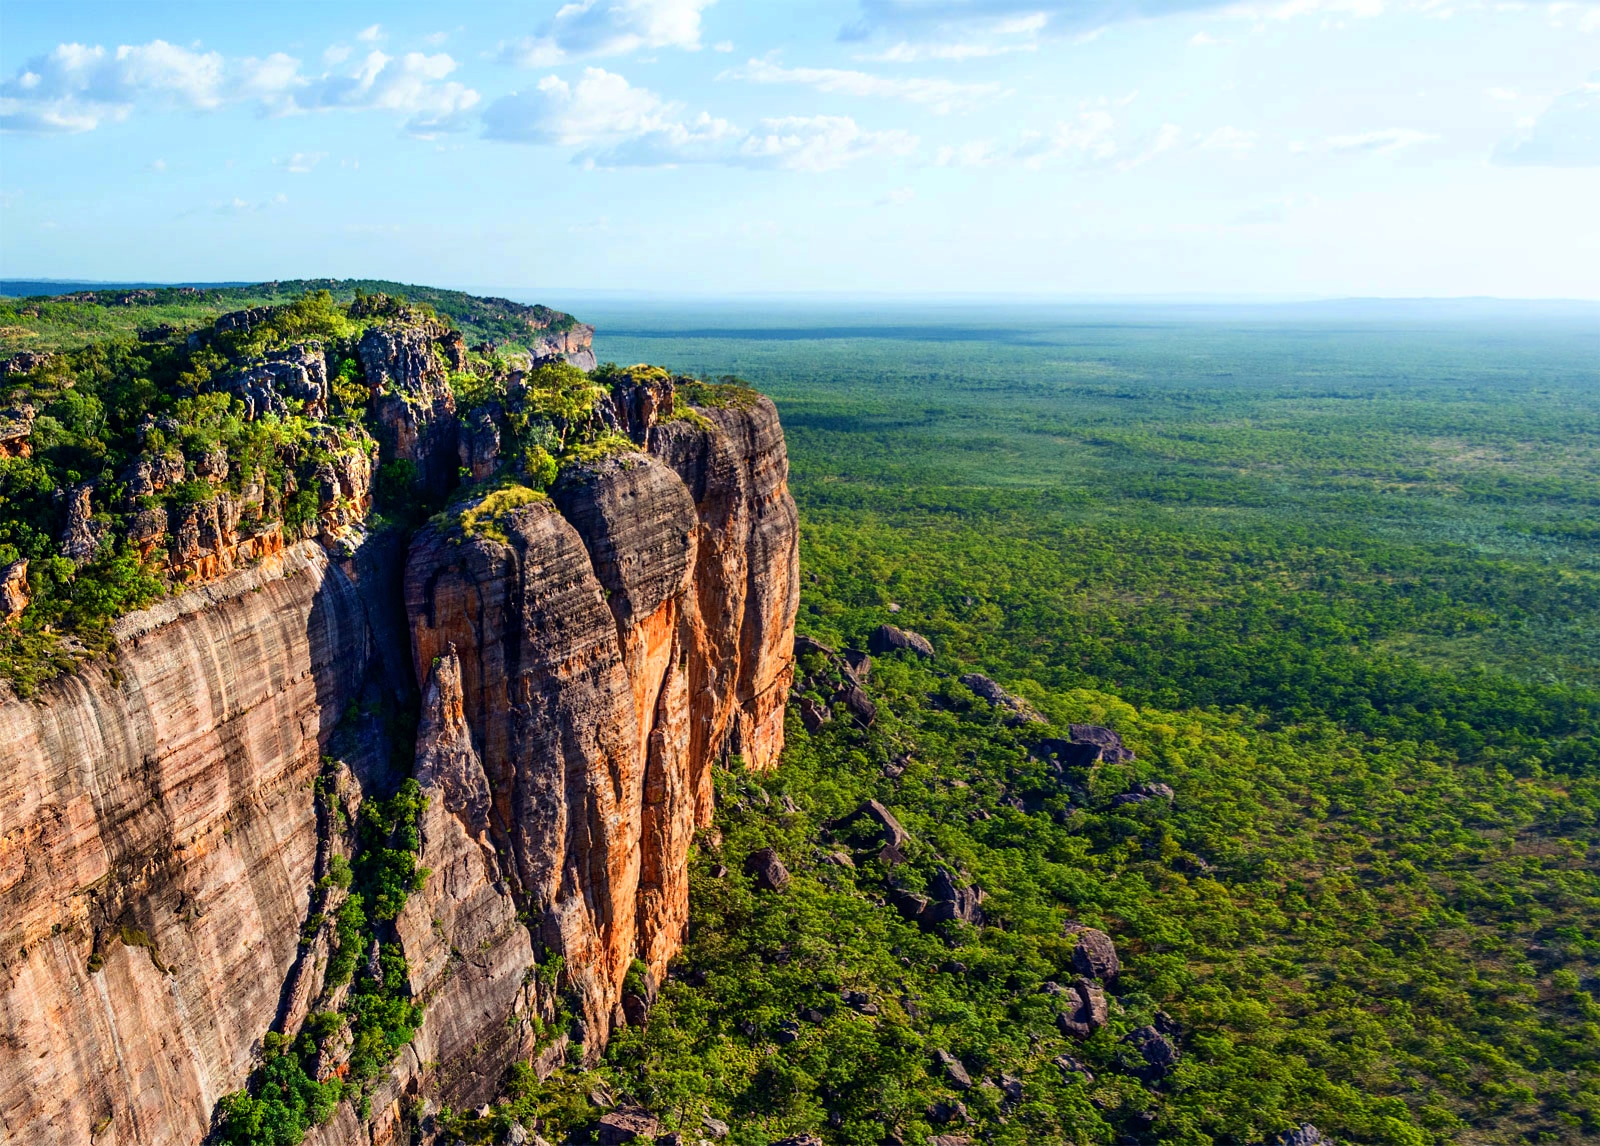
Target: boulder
{"points": [[636, 1004], [1018, 710], [1110, 744], [1088, 1011], [14, 589], [859, 704], [954, 1070], [890, 831], [714, 1126], [1072, 1069], [1159, 1053], [858, 663], [768, 870], [25, 362], [813, 715], [1095, 956], [804, 644], [630, 1124], [891, 639], [1303, 1135], [952, 901], [16, 424]]}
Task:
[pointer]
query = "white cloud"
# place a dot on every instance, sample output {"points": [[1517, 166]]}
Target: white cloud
{"points": [[722, 46], [413, 84], [971, 40], [595, 28], [940, 96], [370, 34], [899, 197], [1504, 95], [819, 143], [302, 162], [1565, 134], [602, 106], [614, 124], [76, 88], [1378, 142], [1086, 139], [158, 165]]}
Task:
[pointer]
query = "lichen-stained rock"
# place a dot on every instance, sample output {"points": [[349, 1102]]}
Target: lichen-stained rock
{"points": [[169, 795], [735, 465], [547, 694], [14, 596], [411, 399], [16, 424], [705, 460], [1095, 955], [81, 536], [766, 635]]}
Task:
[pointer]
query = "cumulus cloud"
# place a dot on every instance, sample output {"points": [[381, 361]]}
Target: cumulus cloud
{"points": [[940, 96], [596, 28], [413, 84], [76, 88], [600, 106], [611, 123], [1566, 134]]}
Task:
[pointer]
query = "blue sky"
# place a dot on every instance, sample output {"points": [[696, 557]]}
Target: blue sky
{"points": [[1259, 148]]}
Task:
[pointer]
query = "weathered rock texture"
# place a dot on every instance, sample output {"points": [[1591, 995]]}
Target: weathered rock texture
{"points": [[156, 818], [613, 643], [581, 666]]}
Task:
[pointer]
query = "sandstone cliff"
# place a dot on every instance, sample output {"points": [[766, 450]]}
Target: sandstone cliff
{"points": [[614, 642], [582, 663]]}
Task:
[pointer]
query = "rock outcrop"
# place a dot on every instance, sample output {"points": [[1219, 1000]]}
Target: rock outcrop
{"points": [[582, 662], [157, 840], [614, 641]]}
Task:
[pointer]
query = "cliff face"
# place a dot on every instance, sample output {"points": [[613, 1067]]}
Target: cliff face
{"points": [[156, 820], [582, 664], [614, 642]]}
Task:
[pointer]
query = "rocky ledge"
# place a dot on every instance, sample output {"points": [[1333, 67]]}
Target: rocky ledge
{"points": [[175, 821]]}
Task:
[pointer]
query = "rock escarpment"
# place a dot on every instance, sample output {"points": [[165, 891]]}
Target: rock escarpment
{"points": [[615, 640], [167, 833]]}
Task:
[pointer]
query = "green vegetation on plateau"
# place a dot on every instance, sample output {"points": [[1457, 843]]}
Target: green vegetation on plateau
{"points": [[1339, 588], [59, 322]]}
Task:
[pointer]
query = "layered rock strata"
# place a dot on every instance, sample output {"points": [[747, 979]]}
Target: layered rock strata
{"points": [[582, 663], [614, 641]]}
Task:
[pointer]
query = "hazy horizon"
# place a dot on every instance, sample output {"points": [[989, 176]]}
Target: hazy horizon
{"points": [[1177, 149]]}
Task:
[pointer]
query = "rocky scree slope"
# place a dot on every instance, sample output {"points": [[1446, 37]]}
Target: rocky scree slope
{"points": [[354, 816]]}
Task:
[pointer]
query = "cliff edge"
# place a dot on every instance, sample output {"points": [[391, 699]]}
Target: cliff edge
{"points": [[455, 773]]}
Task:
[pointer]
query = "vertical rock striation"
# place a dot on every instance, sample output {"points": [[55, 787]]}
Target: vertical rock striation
{"points": [[614, 642], [583, 661], [157, 840]]}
